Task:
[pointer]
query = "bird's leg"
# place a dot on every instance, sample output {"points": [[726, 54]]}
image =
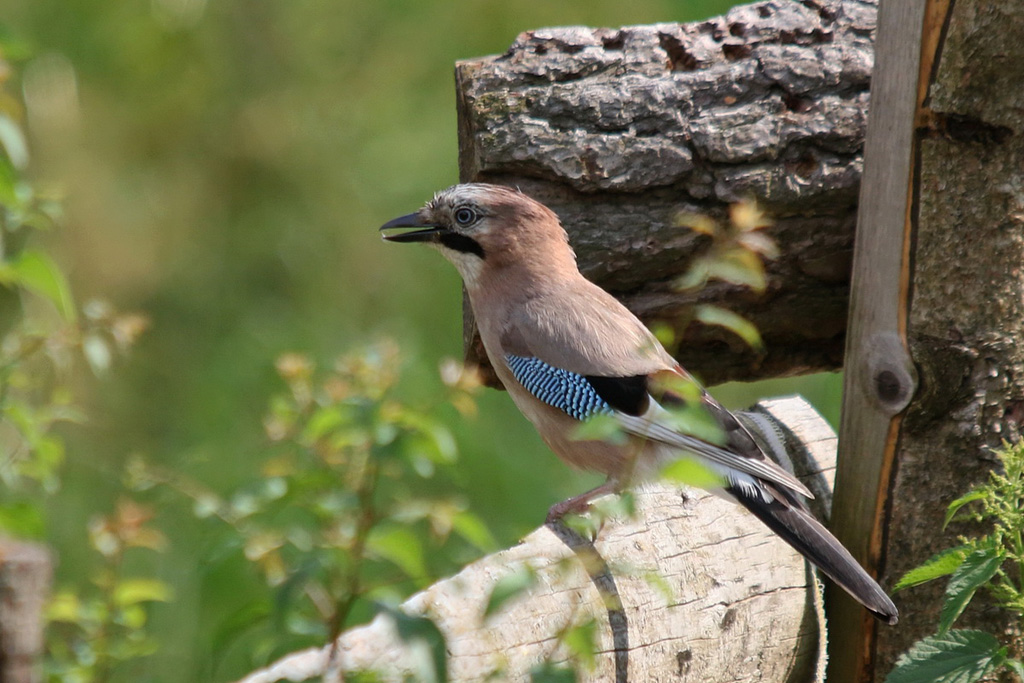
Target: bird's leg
{"points": [[579, 504]]}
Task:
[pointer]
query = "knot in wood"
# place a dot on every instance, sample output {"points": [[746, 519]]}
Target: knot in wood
{"points": [[892, 377], [887, 386]]}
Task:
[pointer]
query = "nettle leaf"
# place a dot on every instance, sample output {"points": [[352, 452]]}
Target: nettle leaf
{"points": [[963, 500], [939, 565], [976, 570], [1016, 667], [961, 656], [510, 586]]}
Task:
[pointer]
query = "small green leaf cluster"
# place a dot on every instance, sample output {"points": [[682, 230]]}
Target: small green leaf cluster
{"points": [[100, 624], [349, 513], [735, 256], [994, 562], [42, 332]]}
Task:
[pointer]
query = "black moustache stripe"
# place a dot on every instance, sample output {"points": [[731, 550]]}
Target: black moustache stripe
{"points": [[457, 242]]}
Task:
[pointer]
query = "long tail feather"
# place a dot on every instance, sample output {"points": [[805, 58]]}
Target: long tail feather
{"points": [[797, 527]]}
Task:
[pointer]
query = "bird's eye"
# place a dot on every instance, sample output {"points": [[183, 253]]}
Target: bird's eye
{"points": [[465, 216]]}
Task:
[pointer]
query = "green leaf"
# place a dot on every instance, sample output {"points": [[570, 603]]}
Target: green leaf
{"points": [[692, 473], [37, 272], [474, 531], [134, 591], [510, 586], [22, 519], [960, 656], [97, 352], [600, 428], [64, 606], [743, 328], [737, 266], [12, 139], [694, 419], [423, 634], [549, 673], [976, 570], [581, 641], [322, 422], [955, 506], [1016, 667], [939, 565], [400, 546]]}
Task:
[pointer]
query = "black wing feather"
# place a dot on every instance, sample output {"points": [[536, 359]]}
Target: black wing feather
{"points": [[788, 518], [626, 394]]}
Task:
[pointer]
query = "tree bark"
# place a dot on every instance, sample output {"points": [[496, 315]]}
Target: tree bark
{"points": [[25, 573], [692, 588], [621, 131], [966, 297]]}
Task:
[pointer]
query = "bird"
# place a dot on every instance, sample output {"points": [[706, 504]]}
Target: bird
{"points": [[567, 351]]}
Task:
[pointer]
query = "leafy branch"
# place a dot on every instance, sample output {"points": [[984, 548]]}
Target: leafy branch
{"points": [[735, 256], [344, 519]]}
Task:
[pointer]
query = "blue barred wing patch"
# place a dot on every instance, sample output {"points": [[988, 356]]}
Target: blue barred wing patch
{"points": [[567, 391]]}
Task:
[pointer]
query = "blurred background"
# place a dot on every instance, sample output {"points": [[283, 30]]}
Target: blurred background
{"points": [[224, 166]]}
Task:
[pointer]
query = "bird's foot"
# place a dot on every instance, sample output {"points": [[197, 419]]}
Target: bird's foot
{"points": [[577, 505]]}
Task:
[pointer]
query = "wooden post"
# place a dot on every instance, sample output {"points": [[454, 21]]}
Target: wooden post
{"points": [[25, 572], [880, 377], [937, 269]]}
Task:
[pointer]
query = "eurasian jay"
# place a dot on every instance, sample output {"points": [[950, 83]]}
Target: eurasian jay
{"points": [[568, 351]]}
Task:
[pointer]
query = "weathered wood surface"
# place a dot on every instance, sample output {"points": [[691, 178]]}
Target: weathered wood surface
{"points": [[965, 306], [621, 130], [880, 377], [25, 574], [741, 605]]}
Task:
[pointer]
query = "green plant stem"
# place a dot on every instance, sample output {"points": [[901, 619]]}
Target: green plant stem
{"points": [[353, 581], [103, 635]]}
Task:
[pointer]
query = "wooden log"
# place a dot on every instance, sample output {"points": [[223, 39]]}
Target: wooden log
{"points": [[619, 131], [25, 574], [731, 601]]}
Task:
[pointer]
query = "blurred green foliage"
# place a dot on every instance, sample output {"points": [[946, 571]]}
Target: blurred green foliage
{"points": [[341, 513], [223, 168], [97, 620], [97, 624]]}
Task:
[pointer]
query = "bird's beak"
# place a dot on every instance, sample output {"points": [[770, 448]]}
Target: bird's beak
{"points": [[428, 233]]}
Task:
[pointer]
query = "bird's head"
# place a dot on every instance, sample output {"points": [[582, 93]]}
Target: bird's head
{"points": [[480, 227]]}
